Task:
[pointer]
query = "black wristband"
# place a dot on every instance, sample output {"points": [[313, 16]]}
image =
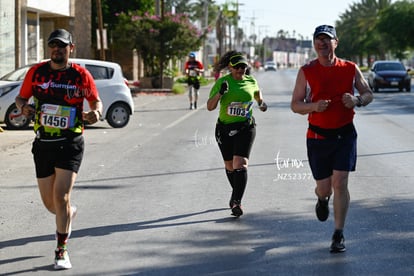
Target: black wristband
{"points": [[360, 101]]}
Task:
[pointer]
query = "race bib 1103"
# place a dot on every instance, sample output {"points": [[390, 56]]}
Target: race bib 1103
{"points": [[239, 109]]}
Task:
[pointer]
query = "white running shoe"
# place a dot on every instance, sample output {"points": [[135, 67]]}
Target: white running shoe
{"points": [[62, 260]]}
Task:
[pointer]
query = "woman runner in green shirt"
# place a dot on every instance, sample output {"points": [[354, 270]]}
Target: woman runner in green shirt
{"points": [[235, 128]]}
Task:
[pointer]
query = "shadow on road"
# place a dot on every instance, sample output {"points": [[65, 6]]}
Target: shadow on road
{"points": [[379, 242]]}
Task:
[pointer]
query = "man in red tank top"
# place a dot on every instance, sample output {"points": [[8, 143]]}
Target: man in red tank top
{"points": [[324, 90]]}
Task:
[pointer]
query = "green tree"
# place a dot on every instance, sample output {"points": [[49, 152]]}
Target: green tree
{"points": [[395, 24], [199, 11], [158, 39], [357, 30], [111, 8]]}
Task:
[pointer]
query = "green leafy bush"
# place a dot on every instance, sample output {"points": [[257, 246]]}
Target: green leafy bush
{"points": [[157, 39]]}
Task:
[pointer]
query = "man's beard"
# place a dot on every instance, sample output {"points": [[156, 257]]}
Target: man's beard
{"points": [[58, 59]]}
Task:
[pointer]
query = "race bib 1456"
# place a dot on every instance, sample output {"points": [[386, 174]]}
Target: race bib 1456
{"points": [[57, 116]]}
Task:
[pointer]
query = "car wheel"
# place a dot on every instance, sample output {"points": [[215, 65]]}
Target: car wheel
{"points": [[408, 88], [14, 118], [118, 115], [375, 87]]}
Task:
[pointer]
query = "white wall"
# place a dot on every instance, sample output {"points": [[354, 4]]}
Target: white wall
{"points": [[61, 7], [7, 43]]}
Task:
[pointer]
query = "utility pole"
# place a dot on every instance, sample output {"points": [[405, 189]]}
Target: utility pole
{"points": [[205, 25], [236, 28], [264, 40], [100, 27], [161, 58], [252, 25], [159, 7], [220, 32]]}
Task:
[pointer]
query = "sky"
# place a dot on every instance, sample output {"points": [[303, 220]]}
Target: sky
{"points": [[299, 16]]}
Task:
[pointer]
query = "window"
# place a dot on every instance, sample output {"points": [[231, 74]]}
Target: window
{"points": [[100, 72], [390, 67], [16, 75]]}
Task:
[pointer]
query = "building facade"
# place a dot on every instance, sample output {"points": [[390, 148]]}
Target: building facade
{"points": [[26, 24]]}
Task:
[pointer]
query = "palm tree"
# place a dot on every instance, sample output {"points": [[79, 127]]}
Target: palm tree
{"points": [[358, 33]]}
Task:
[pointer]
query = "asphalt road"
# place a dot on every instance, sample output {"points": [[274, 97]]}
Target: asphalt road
{"points": [[152, 197]]}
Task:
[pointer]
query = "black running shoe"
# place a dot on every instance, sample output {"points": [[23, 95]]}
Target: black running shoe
{"points": [[338, 245], [322, 209], [236, 209]]}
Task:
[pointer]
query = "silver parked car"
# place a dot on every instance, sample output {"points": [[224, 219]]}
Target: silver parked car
{"points": [[113, 89]]}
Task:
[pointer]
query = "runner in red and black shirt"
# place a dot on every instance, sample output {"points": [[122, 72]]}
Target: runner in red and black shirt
{"points": [[59, 88], [58, 98], [193, 69]]}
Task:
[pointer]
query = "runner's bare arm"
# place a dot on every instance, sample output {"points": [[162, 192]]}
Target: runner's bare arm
{"points": [[298, 104], [363, 88], [24, 107], [95, 113]]}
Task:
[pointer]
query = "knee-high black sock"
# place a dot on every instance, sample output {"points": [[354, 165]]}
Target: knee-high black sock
{"points": [[230, 177], [240, 182]]}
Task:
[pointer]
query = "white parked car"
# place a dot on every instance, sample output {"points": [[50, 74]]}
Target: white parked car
{"points": [[270, 66], [113, 89]]}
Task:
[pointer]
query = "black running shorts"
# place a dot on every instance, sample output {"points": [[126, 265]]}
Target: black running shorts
{"points": [[64, 154], [239, 144]]}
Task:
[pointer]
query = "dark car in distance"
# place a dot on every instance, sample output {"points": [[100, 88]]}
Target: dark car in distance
{"points": [[389, 74]]}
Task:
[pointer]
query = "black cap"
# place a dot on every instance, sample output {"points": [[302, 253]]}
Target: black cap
{"points": [[62, 35], [325, 29], [237, 59]]}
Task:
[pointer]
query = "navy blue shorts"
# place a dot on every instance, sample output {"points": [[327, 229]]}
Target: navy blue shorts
{"points": [[66, 154], [327, 155]]}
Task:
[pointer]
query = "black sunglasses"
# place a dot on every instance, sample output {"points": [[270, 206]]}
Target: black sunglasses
{"points": [[57, 43], [238, 66]]}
